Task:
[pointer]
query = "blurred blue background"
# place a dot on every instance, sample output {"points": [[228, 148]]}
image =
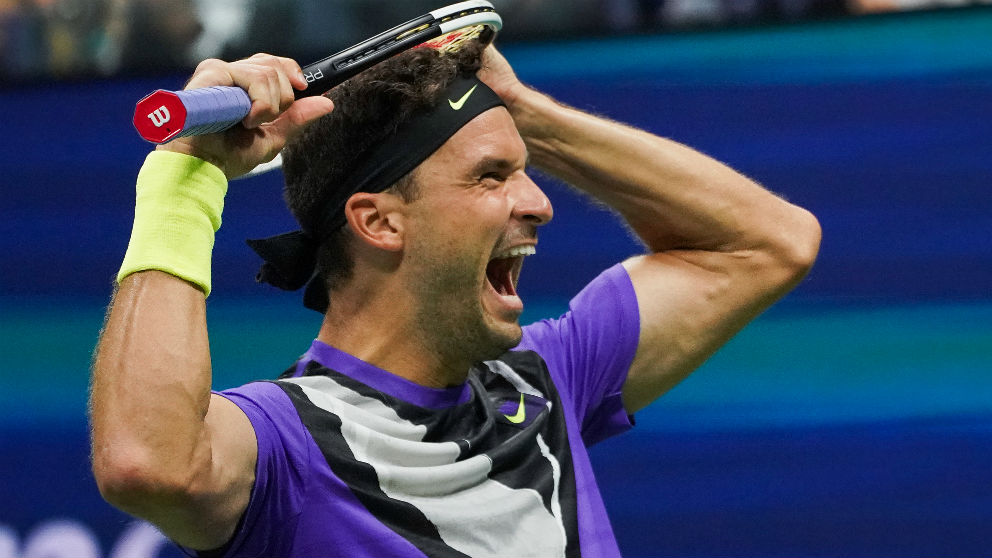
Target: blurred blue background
{"points": [[854, 418]]}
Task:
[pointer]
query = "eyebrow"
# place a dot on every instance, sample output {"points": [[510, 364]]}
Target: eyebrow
{"points": [[499, 163]]}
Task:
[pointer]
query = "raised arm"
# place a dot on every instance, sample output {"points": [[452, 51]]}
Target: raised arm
{"points": [[721, 248], [163, 447]]}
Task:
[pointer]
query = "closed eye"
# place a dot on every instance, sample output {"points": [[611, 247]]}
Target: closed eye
{"points": [[493, 176], [493, 171]]}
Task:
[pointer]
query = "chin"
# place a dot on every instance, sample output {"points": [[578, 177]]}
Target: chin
{"points": [[504, 337], [511, 338]]}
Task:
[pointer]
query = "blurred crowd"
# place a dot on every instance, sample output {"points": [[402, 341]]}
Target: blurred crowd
{"points": [[73, 38], [69, 38]]}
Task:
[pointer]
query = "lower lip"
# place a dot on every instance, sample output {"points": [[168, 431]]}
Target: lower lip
{"points": [[512, 303]]}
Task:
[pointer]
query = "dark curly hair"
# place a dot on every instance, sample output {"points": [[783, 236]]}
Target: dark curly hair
{"points": [[368, 109]]}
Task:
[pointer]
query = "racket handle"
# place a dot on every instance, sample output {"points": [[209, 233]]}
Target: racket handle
{"points": [[166, 115]]}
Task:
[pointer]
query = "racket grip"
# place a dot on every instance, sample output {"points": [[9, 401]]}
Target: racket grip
{"points": [[166, 115]]}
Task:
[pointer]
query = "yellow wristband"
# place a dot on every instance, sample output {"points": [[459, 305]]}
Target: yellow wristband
{"points": [[177, 209]]}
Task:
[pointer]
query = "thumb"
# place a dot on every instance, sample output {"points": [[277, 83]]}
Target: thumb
{"points": [[311, 108], [300, 113]]}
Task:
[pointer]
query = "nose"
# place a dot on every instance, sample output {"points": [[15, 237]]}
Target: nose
{"points": [[531, 204]]}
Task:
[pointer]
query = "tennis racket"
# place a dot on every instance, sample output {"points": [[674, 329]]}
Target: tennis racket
{"points": [[166, 115]]}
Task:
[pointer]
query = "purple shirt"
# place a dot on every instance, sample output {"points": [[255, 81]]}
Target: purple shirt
{"points": [[351, 463]]}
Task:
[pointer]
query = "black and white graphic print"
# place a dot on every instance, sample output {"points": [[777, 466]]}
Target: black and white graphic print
{"points": [[489, 477]]}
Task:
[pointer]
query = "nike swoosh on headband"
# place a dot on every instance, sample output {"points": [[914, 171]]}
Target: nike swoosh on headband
{"points": [[457, 105]]}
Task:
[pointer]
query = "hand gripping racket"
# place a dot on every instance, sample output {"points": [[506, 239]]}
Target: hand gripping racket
{"points": [[166, 115]]}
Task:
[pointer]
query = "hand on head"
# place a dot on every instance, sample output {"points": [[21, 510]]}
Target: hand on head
{"points": [[499, 76], [274, 117]]}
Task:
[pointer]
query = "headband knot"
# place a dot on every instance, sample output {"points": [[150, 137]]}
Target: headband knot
{"points": [[290, 259]]}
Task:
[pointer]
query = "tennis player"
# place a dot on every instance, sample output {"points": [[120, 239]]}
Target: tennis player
{"points": [[423, 420]]}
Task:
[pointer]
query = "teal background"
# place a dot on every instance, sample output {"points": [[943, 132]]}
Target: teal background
{"points": [[854, 418]]}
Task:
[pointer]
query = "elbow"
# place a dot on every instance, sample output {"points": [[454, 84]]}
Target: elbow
{"points": [[134, 485], [808, 241], [788, 252], [799, 246], [121, 482]]}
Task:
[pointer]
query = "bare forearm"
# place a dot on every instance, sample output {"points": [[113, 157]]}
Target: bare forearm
{"points": [[672, 196], [151, 380]]}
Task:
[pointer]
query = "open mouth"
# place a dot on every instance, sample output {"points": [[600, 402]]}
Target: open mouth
{"points": [[503, 269]]}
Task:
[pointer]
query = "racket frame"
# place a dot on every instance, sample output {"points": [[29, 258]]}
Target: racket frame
{"points": [[328, 72], [443, 23], [196, 110]]}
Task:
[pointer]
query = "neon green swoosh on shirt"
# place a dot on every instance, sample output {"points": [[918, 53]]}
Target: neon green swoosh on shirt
{"points": [[521, 412]]}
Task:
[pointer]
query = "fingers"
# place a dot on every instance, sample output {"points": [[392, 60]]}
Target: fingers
{"points": [[269, 81], [274, 116], [303, 111], [269, 87], [497, 73]]}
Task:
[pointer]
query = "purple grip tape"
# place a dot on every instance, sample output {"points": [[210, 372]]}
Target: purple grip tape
{"points": [[167, 115], [213, 109]]}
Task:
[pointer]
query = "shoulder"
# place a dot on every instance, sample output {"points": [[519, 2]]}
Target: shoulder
{"points": [[607, 305], [273, 416], [598, 334], [266, 397]]}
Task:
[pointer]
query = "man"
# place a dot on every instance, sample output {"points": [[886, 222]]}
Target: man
{"points": [[423, 420]]}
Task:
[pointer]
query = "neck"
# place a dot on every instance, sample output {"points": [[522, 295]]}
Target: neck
{"points": [[382, 330]]}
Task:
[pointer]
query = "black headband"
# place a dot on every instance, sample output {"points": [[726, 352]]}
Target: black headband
{"points": [[290, 258]]}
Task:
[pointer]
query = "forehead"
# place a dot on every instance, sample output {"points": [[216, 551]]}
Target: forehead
{"points": [[491, 135]]}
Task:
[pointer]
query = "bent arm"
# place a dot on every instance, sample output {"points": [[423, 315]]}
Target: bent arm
{"points": [[164, 448], [721, 248]]}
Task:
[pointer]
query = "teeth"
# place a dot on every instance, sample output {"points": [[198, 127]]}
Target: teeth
{"points": [[517, 251]]}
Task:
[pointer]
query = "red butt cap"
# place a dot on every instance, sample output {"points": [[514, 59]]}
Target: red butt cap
{"points": [[160, 116]]}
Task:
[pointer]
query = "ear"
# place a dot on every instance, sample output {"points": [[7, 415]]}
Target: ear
{"points": [[376, 219]]}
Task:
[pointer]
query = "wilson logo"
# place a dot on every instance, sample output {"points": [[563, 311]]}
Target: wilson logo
{"points": [[159, 116]]}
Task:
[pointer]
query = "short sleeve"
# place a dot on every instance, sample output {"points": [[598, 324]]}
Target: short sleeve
{"points": [[589, 351], [281, 473]]}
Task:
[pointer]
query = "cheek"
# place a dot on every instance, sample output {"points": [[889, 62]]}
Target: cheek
{"points": [[469, 226], [465, 223], [443, 251]]}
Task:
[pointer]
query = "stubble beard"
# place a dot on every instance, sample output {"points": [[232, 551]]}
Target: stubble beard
{"points": [[450, 316]]}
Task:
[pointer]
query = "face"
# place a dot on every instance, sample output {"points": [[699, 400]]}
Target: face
{"points": [[467, 235]]}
